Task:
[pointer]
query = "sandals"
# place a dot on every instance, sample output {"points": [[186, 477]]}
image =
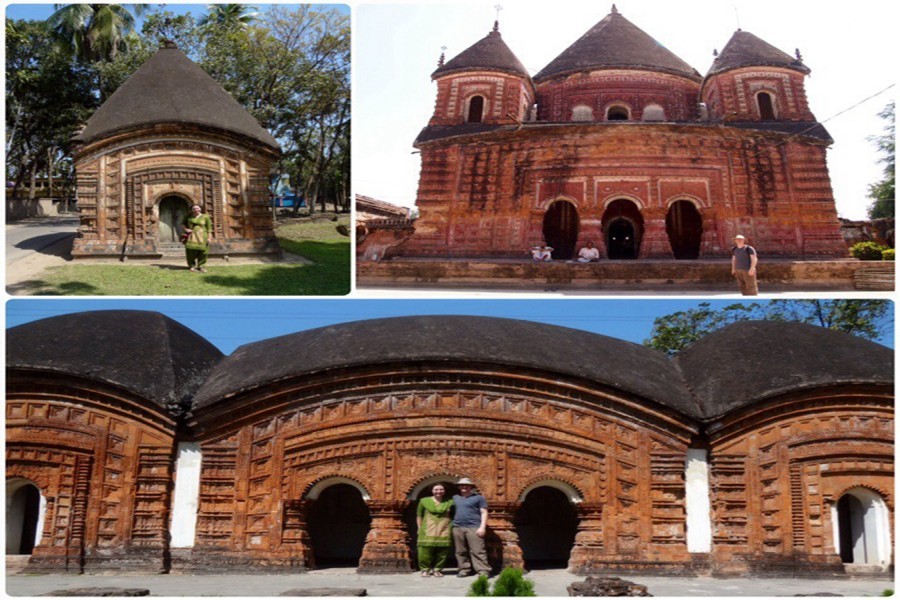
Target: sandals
{"points": [[438, 574], [426, 573]]}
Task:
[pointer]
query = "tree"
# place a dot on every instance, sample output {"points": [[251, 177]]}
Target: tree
{"points": [[92, 32], [869, 319], [228, 16], [883, 191], [48, 96]]}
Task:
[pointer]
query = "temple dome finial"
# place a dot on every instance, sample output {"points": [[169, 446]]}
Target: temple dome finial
{"points": [[614, 10]]}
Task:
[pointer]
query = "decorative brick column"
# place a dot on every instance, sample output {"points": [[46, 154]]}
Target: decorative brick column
{"points": [[387, 548], [295, 535], [655, 240], [502, 539], [588, 546], [709, 237]]}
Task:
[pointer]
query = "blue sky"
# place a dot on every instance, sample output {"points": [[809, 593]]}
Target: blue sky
{"points": [[230, 323]]}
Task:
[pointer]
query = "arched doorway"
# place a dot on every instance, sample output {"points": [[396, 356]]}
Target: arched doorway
{"points": [[423, 490], [546, 523], [684, 227], [862, 528], [23, 516], [172, 212], [338, 523], [561, 229], [623, 227]]}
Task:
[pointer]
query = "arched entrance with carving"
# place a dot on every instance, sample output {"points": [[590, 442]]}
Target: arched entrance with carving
{"points": [[684, 227], [23, 516], [338, 522], [862, 528], [546, 524], [623, 227], [172, 211], [561, 225]]}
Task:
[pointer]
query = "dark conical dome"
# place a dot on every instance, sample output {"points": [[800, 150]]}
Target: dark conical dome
{"points": [[171, 88], [488, 54], [613, 43], [144, 352], [746, 50]]}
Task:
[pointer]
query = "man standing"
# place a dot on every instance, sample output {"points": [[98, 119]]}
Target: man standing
{"points": [[743, 266], [469, 529]]}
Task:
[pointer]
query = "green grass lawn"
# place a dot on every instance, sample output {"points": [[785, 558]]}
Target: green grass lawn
{"points": [[316, 240]]}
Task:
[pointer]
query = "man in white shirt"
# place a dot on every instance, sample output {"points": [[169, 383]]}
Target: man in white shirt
{"points": [[588, 253]]}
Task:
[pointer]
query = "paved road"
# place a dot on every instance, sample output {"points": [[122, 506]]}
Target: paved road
{"points": [[547, 583], [37, 235]]}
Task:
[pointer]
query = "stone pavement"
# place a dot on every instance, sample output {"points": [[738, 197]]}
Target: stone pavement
{"points": [[547, 583]]}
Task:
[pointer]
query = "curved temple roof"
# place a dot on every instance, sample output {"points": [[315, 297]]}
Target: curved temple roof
{"points": [[170, 88], [488, 54], [746, 50], [615, 42], [144, 352], [504, 342], [750, 361]]}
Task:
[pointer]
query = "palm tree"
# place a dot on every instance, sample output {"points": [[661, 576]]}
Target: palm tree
{"points": [[93, 32], [228, 15]]}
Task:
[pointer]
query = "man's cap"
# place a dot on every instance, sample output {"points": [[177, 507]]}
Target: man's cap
{"points": [[739, 237], [465, 481]]}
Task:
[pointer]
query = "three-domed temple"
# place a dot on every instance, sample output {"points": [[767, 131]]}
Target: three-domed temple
{"points": [[620, 142], [168, 138], [133, 444]]}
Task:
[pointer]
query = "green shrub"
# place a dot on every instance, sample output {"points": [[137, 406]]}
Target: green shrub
{"points": [[510, 583], [888, 254], [888, 592], [867, 250]]}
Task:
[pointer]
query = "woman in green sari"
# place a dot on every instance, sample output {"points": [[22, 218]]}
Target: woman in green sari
{"points": [[434, 540], [197, 228]]}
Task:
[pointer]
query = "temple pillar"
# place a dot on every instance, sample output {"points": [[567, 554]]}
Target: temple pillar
{"points": [[502, 540], [387, 548], [709, 237], [588, 547], [655, 240], [295, 535]]}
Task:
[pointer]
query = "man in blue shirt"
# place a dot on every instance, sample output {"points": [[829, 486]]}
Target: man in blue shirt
{"points": [[469, 529]]}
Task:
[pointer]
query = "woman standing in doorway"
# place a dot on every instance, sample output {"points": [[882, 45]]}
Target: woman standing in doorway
{"points": [[434, 539], [197, 227]]}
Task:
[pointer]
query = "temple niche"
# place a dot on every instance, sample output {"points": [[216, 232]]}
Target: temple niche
{"points": [[170, 137], [763, 448]]}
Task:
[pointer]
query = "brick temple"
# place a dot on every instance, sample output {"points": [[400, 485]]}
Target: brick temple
{"points": [[167, 138], [763, 448], [620, 142]]}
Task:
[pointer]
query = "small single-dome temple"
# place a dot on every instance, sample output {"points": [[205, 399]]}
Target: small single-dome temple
{"points": [[167, 138], [133, 445]]}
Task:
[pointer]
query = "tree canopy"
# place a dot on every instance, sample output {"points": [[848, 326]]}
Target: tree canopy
{"points": [[869, 319], [288, 65]]}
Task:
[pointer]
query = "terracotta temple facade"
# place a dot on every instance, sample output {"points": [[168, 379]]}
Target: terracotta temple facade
{"points": [[170, 137], [764, 447], [620, 142]]}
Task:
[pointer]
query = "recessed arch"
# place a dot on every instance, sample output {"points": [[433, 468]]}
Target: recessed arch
{"points": [[765, 103], [861, 528], [546, 524], [571, 492], [172, 209], [654, 112], [618, 112], [582, 112], [424, 485], [475, 109], [338, 522], [684, 226], [25, 510], [317, 488], [623, 228], [560, 228]]}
